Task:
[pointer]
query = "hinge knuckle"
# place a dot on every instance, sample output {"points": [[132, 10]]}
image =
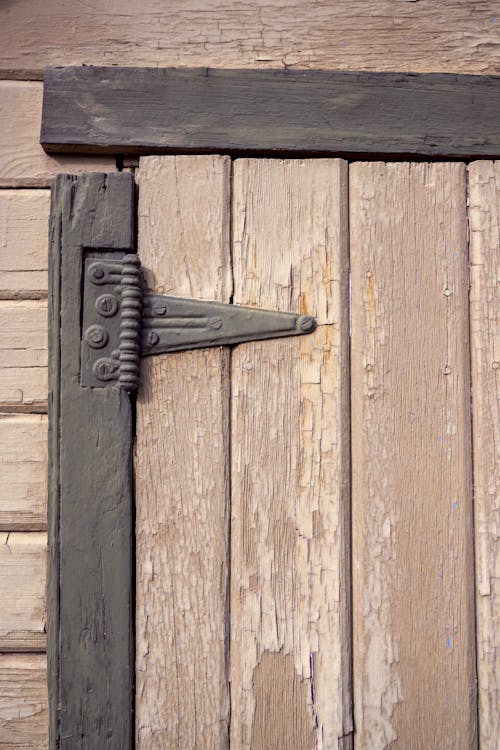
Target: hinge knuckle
{"points": [[130, 323]]}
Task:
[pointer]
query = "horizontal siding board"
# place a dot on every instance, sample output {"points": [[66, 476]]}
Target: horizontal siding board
{"points": [[154, 109], [23, 161], [24, 218], [23, 702], [22, 591], [23, 353], [447, 36], [23, 472]]}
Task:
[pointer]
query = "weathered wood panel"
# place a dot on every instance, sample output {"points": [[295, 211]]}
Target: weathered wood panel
{"points": [[22, 591], [23, 702], [23, 472], [290, 605], [484, 212], [23, 353], [448, 36], [90, 515], [22, 159], [24, 220], [151, 109], [181, 468], [413, 592]]}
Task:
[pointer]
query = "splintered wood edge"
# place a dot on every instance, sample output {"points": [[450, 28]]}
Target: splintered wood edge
{"points": [[199, 110]]}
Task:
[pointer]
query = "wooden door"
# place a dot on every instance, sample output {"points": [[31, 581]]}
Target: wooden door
{"points": [[259, 625]]}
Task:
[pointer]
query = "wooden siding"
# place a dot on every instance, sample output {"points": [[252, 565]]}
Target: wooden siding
{"points": [[445, 36]]}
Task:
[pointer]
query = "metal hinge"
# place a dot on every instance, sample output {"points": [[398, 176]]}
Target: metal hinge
{"points": [[122, 322]]}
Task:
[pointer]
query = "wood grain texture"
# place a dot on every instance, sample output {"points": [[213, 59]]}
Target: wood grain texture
{"points": [[484, 216], [24, 220], [23, 352], [290, 611], [23, 702], [89, 595], [414, 656], [22, 159], [23, 472], [182, 523], [22, 591], [236, 111], [448, 36]]}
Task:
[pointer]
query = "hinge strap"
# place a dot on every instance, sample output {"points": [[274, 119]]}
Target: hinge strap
{"points": [[122, 322]]}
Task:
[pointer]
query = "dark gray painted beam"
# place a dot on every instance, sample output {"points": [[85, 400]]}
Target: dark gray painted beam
{"points": [[134, 110], [90, 635]]}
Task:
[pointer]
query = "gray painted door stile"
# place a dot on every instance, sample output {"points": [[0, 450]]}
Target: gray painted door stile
{"points": [[90, 630]]}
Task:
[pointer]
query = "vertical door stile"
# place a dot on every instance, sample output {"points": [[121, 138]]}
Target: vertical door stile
{"points": [[290, 597], [413, 589], [484, 216], [182, 502]]}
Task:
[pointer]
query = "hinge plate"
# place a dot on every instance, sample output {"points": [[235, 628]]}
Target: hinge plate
{"points": [[122, 322]]}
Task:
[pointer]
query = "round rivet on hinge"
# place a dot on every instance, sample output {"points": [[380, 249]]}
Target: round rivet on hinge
{"points": [[96, 336], [105, 369], [215, 323], [107, 305], [152, 338], [306, 323]]}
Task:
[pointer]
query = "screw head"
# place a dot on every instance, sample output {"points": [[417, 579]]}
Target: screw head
{"points": [[107, 305], [160, 309], [307, 324], [152, 338], [96, 272], [105, 369], [96, 336]]}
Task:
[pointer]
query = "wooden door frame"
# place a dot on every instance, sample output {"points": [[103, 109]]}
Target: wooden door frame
{"points": [[147, 110]]}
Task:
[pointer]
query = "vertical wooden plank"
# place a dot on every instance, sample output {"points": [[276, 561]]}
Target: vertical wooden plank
{"points": [[413, 613], [181, 468], [484, 213], [290, 610], [90, 489]]}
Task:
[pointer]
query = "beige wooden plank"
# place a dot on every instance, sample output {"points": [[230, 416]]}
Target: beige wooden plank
{"points": [[23, 472], [414, 674], [484, 213], [23, 702], [24, 216], [181, 468], [347, 34], [23, 352], [290, 636], [22, 591], [22, 160]]}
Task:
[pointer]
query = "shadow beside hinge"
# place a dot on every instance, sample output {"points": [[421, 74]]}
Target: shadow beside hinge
{"points": [[122, 322]]}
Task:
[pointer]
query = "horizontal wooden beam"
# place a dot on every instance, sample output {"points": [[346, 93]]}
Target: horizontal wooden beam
{"points": [[161, 110]]}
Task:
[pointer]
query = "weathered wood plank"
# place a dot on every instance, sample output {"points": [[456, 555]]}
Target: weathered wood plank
{"points": [[90, 487], [22, 159], [23, 352], [446, 36], [290, 611], [182, 451], [23, 472], [22, 591], [24, 217], [413, 591], [484, 213], [145, 109], [23, 702]]}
